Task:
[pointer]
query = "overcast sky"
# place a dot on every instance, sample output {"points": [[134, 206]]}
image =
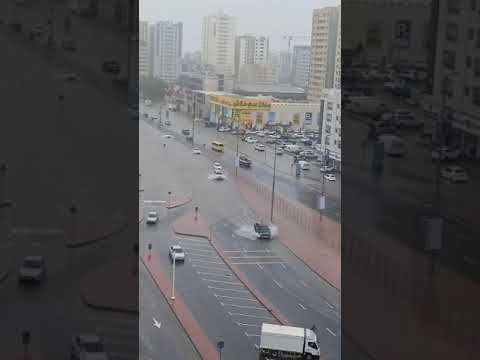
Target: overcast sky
{"points": [[273, 18]]}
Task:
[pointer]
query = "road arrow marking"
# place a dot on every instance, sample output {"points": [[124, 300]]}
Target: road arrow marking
{"points": [[157, 324]]}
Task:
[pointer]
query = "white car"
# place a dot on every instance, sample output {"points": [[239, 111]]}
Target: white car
{"points": [[330, 177], [261, 134], [223, 129], [197, 151], [445, 153], [217, 166], [304, 165], [88, 347], [326, 168], [176, 253], [251, 140], [260, 147], [455, 174], [168, 136], [218, 171], [152, 217], [279, 151]]}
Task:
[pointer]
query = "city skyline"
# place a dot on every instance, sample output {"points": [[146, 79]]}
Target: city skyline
{"points": [[291, 19]]}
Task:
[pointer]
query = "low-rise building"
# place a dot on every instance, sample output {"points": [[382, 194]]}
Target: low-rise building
{"points": [[331, 125]]}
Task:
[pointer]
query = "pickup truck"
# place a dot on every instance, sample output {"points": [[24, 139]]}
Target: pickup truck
{"points": [[263, 231]]}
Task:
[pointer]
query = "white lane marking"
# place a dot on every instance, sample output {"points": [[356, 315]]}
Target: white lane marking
{"points": [[258, 262], [256, 346], [207, 262], [244, 306], [253, 325], [303, 307], [234, 297], [226, 289], [249, 335], [329, 305], [156, 323], [213, 274], [199, 250], [260, 266], [247, 251], [210, 267], [331, 332], [254, 257], [252, 316], [202, 256], [278, 284], [223, 282]]}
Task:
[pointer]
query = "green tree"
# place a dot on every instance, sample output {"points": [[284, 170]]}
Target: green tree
{"points": [[153, 89]]}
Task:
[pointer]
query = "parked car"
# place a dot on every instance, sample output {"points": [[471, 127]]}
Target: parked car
{"points": [[244, 161], [176, 253], [445, 153], [32, 270], [454, 174], [308, 154], [263, 231], [111, 67], [168, 122], [88, 347], [304, 165], [251, 140], [196, 151], [260, 147], [330, 177], [223, 129], [279, 151], [186, 132], [152, 217], [326, 168]]}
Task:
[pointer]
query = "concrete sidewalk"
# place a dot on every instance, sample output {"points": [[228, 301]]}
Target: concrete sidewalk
{"points": [[100, 292], [314, 240]]}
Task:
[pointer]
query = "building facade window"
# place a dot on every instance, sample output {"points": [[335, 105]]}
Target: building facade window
{"points": [[454, 7], [476, 96], [451, 33], [328, 129], [449, 59], [471, 33], [476, 67]]}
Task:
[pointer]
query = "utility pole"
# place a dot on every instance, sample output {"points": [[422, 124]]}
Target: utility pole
{"points": [[193, 121], [238, 134]]}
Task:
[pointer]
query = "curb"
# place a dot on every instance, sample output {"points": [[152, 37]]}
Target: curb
{"points": [[188, 200], [98, 238], [260, 298], [108, 308]]}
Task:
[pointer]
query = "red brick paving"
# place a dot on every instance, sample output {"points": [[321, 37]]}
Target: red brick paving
{"points": [[100, 292], [318, 248], [177, 202], [196, 334], [188, 226]]}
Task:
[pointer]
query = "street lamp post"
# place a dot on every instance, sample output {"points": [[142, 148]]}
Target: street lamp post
{"points": [[238, 143], [273, 181], [173, 278], [193, 120]]}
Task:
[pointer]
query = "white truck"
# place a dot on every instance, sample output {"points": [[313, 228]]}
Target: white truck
{"points": [[278, 342]]}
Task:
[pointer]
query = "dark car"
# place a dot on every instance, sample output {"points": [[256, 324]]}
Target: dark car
{"points": [[186, 132], [33, 270], [263, 231], [111, 67], [244, 161]]}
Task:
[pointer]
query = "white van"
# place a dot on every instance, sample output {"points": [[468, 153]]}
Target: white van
{"points": [[392, 145], [292, 148]]}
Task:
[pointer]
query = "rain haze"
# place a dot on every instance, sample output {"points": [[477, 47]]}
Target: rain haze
{"points": [[272, 18]]}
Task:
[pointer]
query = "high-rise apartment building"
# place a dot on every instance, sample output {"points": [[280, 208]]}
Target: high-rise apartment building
{"points": [[337, 74], [324, 48], [144, 50], [455, 101], [285, 67], [218, 43], [300, 65], [166, 50], [251, 50]]}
